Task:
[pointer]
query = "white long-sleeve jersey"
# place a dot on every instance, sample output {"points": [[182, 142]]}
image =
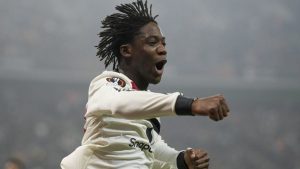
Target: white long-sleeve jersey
{"points": [[117, 132]]}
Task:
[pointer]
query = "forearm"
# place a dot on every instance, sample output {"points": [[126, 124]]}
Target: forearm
{"points": [[137, 104], [143, 105], [163, 152], [167, 154], [149, 105]]}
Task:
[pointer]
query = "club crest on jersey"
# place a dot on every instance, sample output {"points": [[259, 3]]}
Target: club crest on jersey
{"points": [[116, 81]]}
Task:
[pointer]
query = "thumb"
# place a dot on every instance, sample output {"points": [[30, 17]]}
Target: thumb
{"points": [[190, 153]]}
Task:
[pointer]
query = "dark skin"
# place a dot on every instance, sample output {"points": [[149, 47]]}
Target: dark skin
{"points": [[141, 56], [143, 61]]}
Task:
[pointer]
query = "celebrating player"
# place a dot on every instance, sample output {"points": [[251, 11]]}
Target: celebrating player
{"points": [[122, 119]]}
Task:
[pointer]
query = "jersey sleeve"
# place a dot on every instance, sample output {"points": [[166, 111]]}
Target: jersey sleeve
{"points": [[166, 154], [110, 98], [163, 152]]}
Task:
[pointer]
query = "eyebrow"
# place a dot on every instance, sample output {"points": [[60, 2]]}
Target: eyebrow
{"points": [[154, 36]]}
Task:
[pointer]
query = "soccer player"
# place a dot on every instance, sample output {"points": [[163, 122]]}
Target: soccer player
{"points": [[122, 119]]}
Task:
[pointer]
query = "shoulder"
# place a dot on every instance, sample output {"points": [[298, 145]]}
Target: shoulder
{"points": [[112, 79], [116, 81]]}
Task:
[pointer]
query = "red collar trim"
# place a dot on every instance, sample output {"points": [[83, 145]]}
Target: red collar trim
{"points": [[134, 86]]}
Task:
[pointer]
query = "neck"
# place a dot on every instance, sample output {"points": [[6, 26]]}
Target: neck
{"points": [[132, 75]]}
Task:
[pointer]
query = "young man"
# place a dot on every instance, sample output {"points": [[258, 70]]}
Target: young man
{"points": [[122, 119]]}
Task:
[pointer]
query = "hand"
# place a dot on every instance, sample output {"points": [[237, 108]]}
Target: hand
{"points": [[196, 159], [214, 106]]}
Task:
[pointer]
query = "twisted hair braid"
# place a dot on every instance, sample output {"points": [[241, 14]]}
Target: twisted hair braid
{"points": [[120, 28]]}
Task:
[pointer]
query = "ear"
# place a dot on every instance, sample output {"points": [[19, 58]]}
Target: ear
{"points": [[126, 50]]}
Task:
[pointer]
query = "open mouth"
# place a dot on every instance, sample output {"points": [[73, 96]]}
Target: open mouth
{"points": [[160, 65]]}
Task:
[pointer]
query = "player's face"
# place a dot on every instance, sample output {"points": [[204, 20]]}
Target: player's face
{"points": [[149, 53]]}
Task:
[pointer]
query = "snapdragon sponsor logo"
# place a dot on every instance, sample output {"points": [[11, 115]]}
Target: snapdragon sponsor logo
{"points": [[143, 146]]}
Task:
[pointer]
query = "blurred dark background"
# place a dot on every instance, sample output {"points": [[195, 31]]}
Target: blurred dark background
{"points": [[246, 50]]}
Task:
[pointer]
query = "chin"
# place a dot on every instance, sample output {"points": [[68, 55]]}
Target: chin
{"points": [[156, 80], [155, 83]]}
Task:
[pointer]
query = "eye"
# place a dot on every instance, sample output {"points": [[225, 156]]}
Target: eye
{"points": [[152, 41]]}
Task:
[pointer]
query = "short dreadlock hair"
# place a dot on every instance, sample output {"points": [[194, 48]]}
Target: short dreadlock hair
{"points": [[120, 28]]}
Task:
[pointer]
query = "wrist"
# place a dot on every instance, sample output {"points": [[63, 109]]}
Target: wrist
{"points": [[198, 106], [181, 160], [183, 106], [195, 107]]}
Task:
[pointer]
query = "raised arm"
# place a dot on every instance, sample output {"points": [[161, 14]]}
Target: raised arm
{"points": [[110, 98]]}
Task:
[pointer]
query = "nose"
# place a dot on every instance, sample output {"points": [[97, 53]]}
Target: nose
{"points": [[161, 50]]}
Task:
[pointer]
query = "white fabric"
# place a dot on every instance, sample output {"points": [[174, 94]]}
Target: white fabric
{"points": [[115, 136]]}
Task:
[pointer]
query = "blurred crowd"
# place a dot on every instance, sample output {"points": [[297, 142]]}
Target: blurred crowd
{"points": [[41, 122], [47, 57], [14, 163]]}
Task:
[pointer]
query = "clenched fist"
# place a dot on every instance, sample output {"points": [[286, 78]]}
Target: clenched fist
{"points": [[196, 159], [214, 106]]}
